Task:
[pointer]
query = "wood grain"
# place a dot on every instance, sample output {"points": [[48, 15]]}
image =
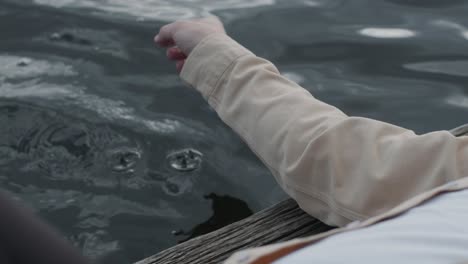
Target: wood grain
{"points": [[281, 222]]}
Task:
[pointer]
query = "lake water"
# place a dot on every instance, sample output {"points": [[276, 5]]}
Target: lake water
{"points": [[102, 139]]}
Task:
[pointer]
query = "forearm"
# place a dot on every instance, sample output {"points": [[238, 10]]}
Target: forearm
{"points": [[338, 168]]}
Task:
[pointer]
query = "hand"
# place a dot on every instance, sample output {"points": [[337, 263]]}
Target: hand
{"points": [[181, 37]]}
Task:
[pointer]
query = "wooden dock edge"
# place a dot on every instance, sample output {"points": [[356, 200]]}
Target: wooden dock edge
{"points": [[283, 221]]}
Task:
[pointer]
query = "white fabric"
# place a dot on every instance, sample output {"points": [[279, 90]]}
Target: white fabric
{"points": [[435, 232]]}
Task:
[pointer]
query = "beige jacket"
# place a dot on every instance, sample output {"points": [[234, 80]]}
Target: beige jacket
{"points": [[339, 169]]}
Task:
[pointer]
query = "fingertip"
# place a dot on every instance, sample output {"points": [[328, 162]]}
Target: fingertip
{"points": [[164, 36]]}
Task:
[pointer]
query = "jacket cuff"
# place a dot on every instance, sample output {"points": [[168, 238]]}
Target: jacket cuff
{"points": [[211, 58]]}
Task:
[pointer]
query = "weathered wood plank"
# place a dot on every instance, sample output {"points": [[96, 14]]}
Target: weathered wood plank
{"points": [[281, 222]]}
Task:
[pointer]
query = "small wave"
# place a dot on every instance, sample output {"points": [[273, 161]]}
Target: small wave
{"points": [[457, 100], [454, 68], [95, 245], [166, 10], [295, 77], [462, 30], [108, 109], [92, 234], [68, 94], [22, 67]]}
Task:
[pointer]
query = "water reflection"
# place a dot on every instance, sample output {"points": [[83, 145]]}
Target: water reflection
{"points": [[81, 39], [90, 162], [295, 77], [454, 68], [124, 159], [457, 100], [33, 87], [387, 32], [185, 160], [95, 244], [94, 109], [428, 3], [226, 210], [462, 30], [157, 9], [15, 67]]}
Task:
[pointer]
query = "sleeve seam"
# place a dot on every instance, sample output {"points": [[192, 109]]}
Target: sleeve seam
{"points": [[221, 77]]}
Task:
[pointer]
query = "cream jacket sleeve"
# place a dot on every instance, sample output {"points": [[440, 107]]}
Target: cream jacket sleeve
{"points": [[338, 168]]}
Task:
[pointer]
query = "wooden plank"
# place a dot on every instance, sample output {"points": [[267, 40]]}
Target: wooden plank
{"points": [[460, 131], [281, 222]]}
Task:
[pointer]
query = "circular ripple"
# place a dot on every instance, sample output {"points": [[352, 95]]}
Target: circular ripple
{"points": [[61, 147], [185, 160], [123, 159]]}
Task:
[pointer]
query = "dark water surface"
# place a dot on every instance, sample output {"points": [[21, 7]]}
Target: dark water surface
{"points": [[101, 138]]}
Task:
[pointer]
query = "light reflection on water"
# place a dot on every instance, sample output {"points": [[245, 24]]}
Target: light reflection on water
{"points": [[31, 87], [95, 110], [169, 10], [455, 68], [387, 32], [157, 9], [460, 29]]}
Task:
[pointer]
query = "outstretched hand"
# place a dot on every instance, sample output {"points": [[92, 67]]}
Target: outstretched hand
{"points": [[181, 37]]}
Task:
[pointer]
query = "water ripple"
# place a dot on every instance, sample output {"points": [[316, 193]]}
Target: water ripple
{"points": [[454, 68], [41, 140], [66, 95], [157, 9], [13, 67], [461, 30]]}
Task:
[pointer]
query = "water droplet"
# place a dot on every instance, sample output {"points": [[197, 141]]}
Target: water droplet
{"points": [[185, 160], [124, 159]]}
